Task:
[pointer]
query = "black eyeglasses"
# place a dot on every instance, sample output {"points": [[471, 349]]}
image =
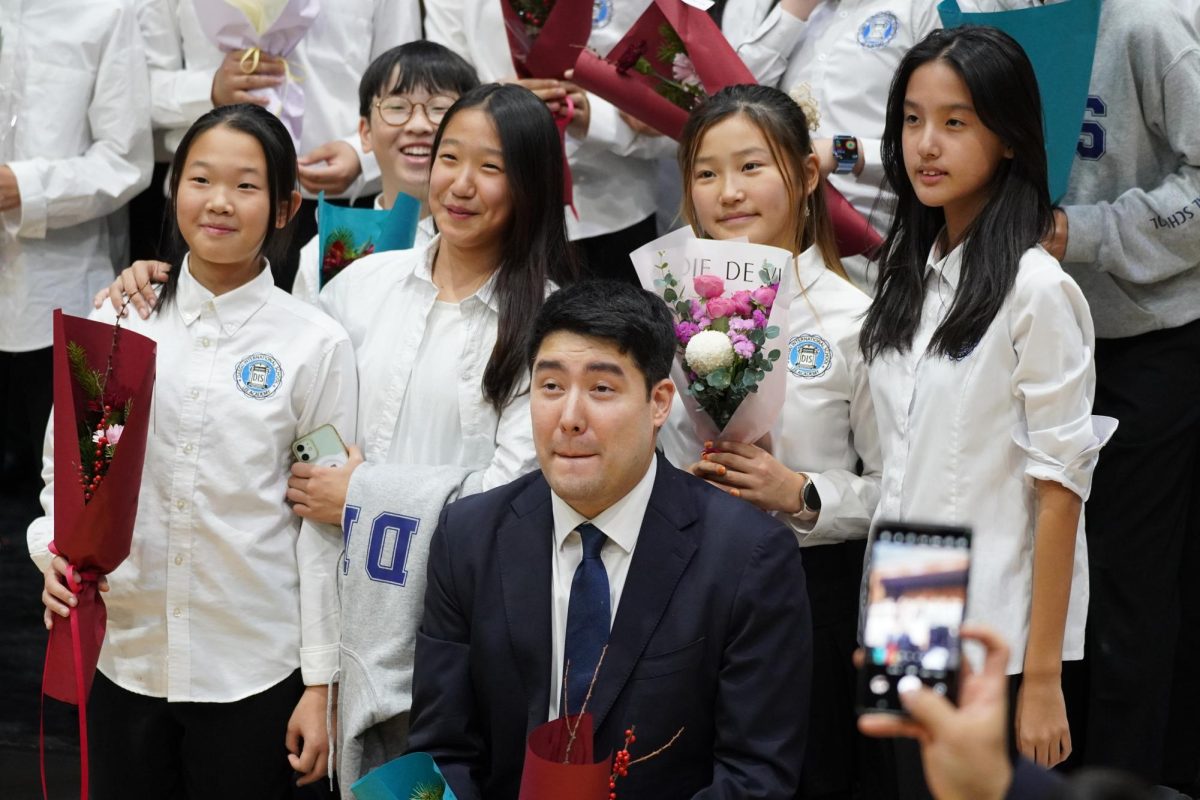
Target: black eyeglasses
{"points": [[398, 111]]}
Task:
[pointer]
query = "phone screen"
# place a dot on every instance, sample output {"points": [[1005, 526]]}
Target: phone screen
{"points": [[916, 598]]}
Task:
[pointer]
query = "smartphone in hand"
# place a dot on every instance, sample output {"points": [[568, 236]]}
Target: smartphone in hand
{"points": [[916, 600], [323, 447]]}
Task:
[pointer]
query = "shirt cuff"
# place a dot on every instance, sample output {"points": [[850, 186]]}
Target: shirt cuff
{"points": [[195, 93], [779, 32], [827, 491], [605, 125], [29, 220], [1084, 231], [319, 664]]}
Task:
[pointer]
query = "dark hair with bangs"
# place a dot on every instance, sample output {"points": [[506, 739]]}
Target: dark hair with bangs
{"points": [[1017, 215], [280, 155], [638, 322], [785, 127], [535, 248], [421, 65]]}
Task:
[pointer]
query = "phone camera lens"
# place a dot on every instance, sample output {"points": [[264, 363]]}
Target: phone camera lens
{"points": [[304, 457]]}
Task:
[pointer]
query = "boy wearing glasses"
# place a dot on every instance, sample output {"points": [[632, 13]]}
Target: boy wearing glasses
{"points": [[402, 98]]}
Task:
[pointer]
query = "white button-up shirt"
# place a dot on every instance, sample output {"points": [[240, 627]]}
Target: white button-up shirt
{"points": [[344, 39], [964, 440], [75, 130], [828, 420], [621, 523], [225, 593], [384, 301], [612, 168]]}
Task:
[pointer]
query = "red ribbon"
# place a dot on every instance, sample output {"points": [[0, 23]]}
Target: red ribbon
{"points": [[75, 582], [561, 121]]}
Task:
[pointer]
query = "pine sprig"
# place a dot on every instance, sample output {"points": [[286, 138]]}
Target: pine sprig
{"points": [[90, 380], [428, 791]]}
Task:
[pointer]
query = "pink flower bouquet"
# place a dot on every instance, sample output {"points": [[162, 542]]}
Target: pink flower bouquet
{"points": [[727, 326]]}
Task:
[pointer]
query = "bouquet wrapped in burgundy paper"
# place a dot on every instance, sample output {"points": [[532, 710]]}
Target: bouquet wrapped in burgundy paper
{"points": [[103, 378], [560, 762], [546, 36], [672, 58]]}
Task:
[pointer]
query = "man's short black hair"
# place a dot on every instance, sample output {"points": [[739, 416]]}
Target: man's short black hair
{"points": [[423, 65], [638, 322]]}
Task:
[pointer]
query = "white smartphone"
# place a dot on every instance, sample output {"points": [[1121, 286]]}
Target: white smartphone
{"points": [[323, 447]]}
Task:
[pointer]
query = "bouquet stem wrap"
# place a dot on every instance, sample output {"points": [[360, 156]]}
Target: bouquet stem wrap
{"points": [[559, 762]]}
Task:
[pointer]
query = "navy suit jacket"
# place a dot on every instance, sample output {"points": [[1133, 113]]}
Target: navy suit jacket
{"points": [[712, 634]]}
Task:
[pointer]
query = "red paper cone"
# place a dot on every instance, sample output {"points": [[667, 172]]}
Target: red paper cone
{"points": [[552, 50], [545, 774], [853, 233]]}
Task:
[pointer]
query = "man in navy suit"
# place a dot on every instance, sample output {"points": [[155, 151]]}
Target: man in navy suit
{"points": [[699, 598]]}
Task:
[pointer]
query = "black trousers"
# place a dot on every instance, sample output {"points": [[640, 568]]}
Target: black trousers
{"points": [[25, 400], [145, 747], [1143, 534], [607, 255]]}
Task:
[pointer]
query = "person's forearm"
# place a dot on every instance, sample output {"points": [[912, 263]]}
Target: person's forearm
{"points": [[800, 9], [1053, 563]]}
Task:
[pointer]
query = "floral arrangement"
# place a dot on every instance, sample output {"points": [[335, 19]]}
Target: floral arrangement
{"points": [[532, 14], [103, 421], [428, 791], [340, 252], [722, 337], [682, 86]]}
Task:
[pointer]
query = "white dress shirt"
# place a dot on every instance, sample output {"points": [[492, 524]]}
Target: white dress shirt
{"points": [[828, 420], [964, 440], [75, 105], [621, 523], [225, 592], [612, 168], [306, 286], [344, 39], [384, 300]]}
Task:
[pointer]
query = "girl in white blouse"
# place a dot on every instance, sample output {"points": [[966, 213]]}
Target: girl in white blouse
{"points": [[980, 353], [222, 623], [749, 170]]}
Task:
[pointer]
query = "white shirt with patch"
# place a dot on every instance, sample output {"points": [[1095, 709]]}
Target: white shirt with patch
{"points": [[225, 591]]}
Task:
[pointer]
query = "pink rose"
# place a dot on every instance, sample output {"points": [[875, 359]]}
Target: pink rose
{"points": [[708, 286], [720, 307], [764, 296], [741, 300]]}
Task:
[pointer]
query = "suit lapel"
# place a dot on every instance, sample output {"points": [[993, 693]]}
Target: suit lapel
{"points": [[525, 549], [662, 553]]}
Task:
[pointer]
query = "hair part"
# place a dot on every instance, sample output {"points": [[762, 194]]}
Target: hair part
{"points": [[280, 156], [1018, 213], [636, 321], [785, 128], [415, 65], [535, 248]]}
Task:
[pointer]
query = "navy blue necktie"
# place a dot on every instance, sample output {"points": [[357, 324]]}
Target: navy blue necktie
{"points": [[588, 618]]}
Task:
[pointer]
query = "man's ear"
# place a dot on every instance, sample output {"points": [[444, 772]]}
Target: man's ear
{"points": [[364, 133], [285, 214], [662, 396]]}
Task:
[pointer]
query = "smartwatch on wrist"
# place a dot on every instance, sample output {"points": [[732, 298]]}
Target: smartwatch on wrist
{"points": [[810, 499], [845, 153]]}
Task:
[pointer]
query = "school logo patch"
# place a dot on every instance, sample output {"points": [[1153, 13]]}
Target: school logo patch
{"points": [[878, 30], [809, 356], [602, 13], [258, 376]]}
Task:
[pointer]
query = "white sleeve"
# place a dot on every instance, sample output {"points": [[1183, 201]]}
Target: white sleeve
{"points": [[41, 530], [1055, 376], [63, 192], [178, 96], [767, 52], [304, 287], [606, 130], [333, 399], [848, 499], [445, 24], [515, 454]]}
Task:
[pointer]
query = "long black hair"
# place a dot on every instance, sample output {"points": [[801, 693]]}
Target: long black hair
{"points": [[535, 248], [280, 156], [1017, 215], [785, 127]]}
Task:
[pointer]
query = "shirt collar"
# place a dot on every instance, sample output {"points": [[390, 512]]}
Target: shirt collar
{"points": [[486, 293], [621, 522], [810, 266], [949, 267], [233, 308]]}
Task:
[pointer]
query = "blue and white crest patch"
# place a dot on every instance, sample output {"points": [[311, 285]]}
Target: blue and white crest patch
{"points": [[809, 356], [258, 376], [878, 30], [602, 13]]}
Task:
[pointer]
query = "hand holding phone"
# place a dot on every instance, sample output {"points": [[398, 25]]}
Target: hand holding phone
{"points": [[916, 599]]}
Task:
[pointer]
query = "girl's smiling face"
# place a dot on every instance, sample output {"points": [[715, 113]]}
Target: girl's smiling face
{"points": [[951, 157], [223, 203], [468, 188]]}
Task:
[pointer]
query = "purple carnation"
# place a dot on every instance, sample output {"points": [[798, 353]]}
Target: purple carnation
{"points": [[760, 319], [742, 346], [740, 324], [684, 331]]}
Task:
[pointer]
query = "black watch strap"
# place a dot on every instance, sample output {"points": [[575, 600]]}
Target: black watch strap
{"points": [[811, 497]]}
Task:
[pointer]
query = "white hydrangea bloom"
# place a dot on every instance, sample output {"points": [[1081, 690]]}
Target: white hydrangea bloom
{"points": [[709, 351]]}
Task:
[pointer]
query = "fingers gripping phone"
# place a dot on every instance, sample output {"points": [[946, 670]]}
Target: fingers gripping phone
{"points": [[915, 602], [323, 447]]}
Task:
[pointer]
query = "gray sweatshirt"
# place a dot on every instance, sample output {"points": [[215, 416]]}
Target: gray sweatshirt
{"points": [[1133, 201], [391, 513]]}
